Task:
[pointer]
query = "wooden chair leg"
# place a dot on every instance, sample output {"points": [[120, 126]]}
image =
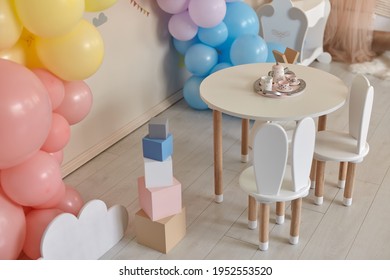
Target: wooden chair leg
{"points": [[264, 226], [342, 174], [280, 209], [349, 182], [296, 206], [252, 212], [319, 190]]}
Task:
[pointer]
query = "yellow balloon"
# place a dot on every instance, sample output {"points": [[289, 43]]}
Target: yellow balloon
{"points": [[47, 18], [74, 56], [15, 54], [95, 6], [23, 52], [28, 41], [10, 25]]}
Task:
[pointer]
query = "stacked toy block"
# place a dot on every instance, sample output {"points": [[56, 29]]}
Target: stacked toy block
{"points": [[160, 223]]}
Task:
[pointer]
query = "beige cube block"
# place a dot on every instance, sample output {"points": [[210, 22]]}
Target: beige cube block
{"points": [[161, 235]]}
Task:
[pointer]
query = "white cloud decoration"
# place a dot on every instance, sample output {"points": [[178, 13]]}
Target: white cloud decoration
{"points": [[86, 237]]}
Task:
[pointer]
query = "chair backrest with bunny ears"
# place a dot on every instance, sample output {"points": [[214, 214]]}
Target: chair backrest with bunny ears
{"points": [[270, 150], [302, 145], [360, 107]]}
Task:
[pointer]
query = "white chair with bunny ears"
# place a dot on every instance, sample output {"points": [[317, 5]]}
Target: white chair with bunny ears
{"points": [[271, 179], [347, 147]]}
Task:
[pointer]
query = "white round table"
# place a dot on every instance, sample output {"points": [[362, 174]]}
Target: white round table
{"points": [[231, 91]]}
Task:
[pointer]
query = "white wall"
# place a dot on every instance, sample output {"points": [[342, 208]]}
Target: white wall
{"points": [[140, 77]]}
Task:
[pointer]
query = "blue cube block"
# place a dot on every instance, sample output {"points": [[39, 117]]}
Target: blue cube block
{"points": [[157, 149]]}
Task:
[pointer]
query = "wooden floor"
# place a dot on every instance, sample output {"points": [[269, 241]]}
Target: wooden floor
{"points": [[219, 231]]}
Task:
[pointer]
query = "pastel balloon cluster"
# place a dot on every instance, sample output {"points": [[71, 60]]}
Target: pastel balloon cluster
{"points": [[53, 35], [213, 35], [46, 51]]}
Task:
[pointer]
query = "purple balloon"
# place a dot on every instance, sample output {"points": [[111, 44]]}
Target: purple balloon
{"points": [[173, 6], [182, 27], [207, 13]]}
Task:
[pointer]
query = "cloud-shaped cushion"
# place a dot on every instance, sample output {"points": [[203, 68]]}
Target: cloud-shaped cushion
{"points": [[86, 237]]}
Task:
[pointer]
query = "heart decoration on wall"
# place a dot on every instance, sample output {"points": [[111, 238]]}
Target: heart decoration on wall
{"points": [[99, 20]]}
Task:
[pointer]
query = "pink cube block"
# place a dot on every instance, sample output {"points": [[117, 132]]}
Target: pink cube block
{"points": [[161, 202]]}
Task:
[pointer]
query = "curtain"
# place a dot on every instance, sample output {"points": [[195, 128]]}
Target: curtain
{"points": [[348, 34]]}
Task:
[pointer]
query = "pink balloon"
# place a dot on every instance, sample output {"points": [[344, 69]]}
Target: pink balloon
{"points": [[59, 156], [77, 102], [27, 209], [53, 84], [59, 134], [33, 182], [173, 6], [12, 228], [52, 202], [71, 202], [36, 223], [182, 27], [25, 113], [207, 13]]}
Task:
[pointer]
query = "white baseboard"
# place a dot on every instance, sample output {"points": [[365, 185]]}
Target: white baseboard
{"points": [[89, 154]]}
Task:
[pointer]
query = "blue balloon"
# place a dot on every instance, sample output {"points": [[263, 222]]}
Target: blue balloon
{"points": [[248, 48], [183, 46], [213, 36], [199, 59], [224, 56], [220, 66], [240, 19], [191, 93], [274, 46]]}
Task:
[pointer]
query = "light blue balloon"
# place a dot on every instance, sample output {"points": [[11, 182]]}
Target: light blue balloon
{"points": [[200, 58], [274, 46], [240, 19], [224, 56], [183, 46], [220, 66], [248, 48], [191, 93], [213, 36]]}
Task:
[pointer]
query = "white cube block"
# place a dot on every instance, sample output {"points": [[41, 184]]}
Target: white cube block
{"points": [[158, 173]]}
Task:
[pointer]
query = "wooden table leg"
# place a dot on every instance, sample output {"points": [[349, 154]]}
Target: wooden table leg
{"points": [[320, 127], [313, 174], [319, 190], [322, 123], [244, 140], [218, 187]]}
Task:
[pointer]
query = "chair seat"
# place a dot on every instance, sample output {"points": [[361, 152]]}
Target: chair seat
{"points": [[248, 184], [337, 146]]}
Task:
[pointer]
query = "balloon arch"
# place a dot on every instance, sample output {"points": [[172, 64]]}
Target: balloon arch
{"points": [[42, 93]]}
